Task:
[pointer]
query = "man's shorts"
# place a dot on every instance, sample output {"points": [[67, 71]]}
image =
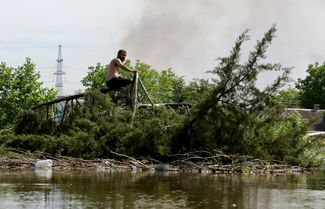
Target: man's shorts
{"points": [[117, 83]]}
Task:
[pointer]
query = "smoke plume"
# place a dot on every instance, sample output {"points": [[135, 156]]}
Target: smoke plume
{"points": [[188, 34]]}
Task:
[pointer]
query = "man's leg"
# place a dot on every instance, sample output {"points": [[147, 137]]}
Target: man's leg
{"points": [[116, 84], [122, 82], [113, 84]]}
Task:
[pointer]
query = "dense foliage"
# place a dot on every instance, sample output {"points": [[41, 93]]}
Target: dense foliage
{"points": [[97, 128], [289, 97], [95, 79], [312, 87], [20, 89], [237, 116]]}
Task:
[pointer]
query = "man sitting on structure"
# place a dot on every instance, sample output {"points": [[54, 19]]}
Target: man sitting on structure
{"points": [[113, 80]]}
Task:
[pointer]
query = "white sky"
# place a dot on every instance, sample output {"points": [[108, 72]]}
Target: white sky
{"points": [[186, 35]]}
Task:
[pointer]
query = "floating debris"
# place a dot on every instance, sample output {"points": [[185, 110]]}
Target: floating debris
{"points": [[43, 164]]}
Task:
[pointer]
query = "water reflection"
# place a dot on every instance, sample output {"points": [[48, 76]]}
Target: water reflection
{"points": [[79, 189], [43, 173]]}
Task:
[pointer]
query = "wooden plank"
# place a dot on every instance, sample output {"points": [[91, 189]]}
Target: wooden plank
{"points": [[134, 93]]}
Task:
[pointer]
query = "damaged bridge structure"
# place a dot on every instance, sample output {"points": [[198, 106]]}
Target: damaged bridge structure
{"points": [[59, 108]]}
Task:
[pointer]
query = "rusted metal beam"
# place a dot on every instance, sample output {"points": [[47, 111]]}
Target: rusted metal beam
{"points": [[165, 104], [59, 100], [145, 91]]}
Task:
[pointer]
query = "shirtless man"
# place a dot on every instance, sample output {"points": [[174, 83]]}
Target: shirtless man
{"points": [[113, 80]]}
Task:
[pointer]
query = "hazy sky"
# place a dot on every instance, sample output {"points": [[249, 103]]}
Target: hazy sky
{"points": [[186, 35]]}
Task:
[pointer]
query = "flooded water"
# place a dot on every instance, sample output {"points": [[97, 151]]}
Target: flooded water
{"points": [[77, 189]]}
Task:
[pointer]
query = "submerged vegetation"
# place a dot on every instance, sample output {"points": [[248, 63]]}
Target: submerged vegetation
{"points": [[229, 114]]}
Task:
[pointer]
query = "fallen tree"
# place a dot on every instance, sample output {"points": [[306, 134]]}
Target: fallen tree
{"points": [[231, 115]]}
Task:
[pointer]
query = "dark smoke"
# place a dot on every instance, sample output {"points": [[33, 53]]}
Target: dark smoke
{"points": [[188, 34], [168, 29]]}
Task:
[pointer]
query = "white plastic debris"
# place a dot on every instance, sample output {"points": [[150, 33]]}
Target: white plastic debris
{"points": [[43, 164]]}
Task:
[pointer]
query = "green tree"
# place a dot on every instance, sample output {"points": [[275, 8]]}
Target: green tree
{"points": [[234, 112], [197, 90], [164, 86], [312, 88], [95, 79], [20, 89], [289, 97]]}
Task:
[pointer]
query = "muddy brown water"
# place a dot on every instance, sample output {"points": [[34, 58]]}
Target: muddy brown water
{"points": [[91, 189]]}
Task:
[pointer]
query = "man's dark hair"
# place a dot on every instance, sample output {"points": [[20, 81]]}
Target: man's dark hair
{"points": [[121, 51]]}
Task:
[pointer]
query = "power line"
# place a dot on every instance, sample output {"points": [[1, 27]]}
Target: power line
{"points": [[65, 67], [27, 47], [76, 68], [85, 49], [52, 46]]}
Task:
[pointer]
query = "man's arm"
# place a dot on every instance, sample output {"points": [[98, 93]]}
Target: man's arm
{"points": [[127, 69], [120, 64]]}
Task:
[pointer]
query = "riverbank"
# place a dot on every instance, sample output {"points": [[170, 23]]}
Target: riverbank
{"points": [[186, 163]]}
